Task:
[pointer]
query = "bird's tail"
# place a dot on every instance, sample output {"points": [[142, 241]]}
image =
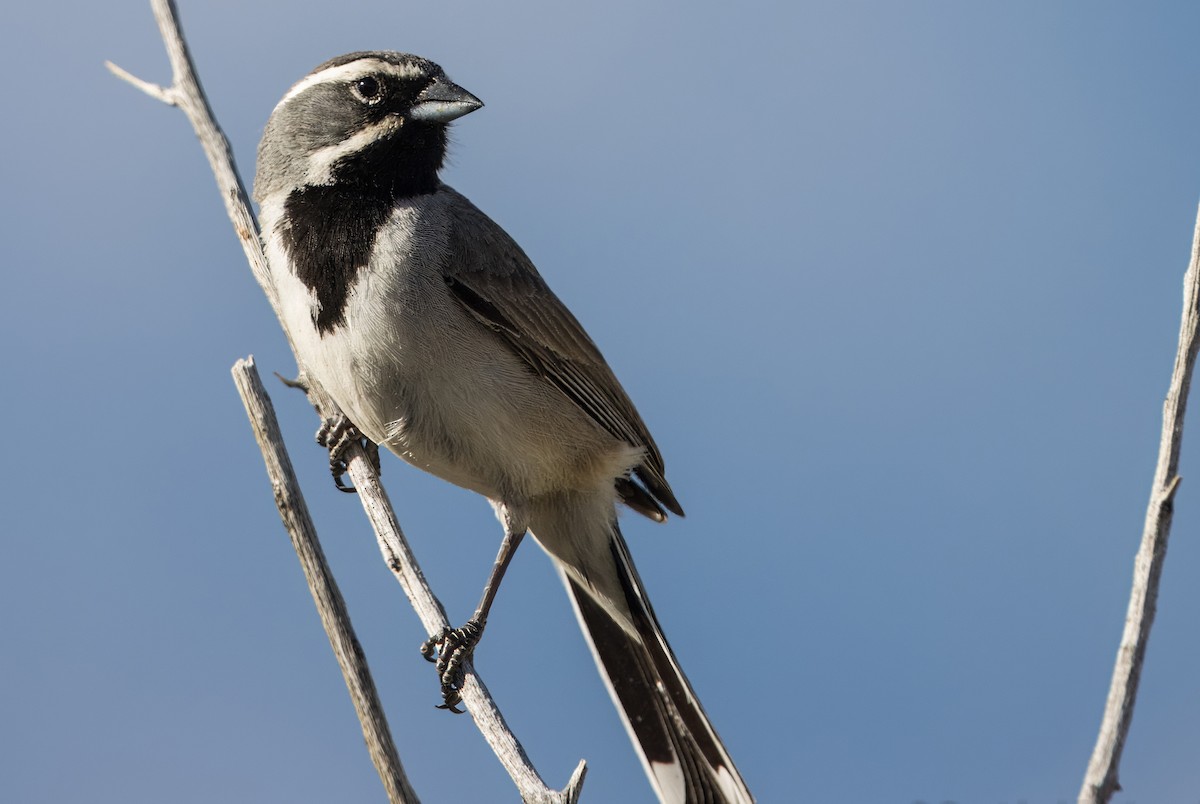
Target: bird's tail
{"points": [[684, 758]]}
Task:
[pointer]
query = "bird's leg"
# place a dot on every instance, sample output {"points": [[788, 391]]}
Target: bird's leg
{"points": [[336, 435], [454, 646]]}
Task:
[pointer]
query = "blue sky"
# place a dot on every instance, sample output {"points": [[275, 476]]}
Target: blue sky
{"points": [[896, 287]]}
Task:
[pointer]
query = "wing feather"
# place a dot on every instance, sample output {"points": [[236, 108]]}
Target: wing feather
{"points": [[494, 279]]}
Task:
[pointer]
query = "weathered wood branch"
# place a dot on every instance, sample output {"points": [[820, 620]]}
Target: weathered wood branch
{"points": [[186, 93], [1100, 781], [328, 599]]}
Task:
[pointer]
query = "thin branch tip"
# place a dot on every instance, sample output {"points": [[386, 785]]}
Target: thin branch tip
{"points": [[575, 783], [1173, 487], [157, 91], [297, 383]]}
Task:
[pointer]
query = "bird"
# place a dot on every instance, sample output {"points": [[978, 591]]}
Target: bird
{"points": [[435, 335]]}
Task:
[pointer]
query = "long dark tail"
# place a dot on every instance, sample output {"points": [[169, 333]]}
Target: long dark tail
{"points": [[685, 759]]}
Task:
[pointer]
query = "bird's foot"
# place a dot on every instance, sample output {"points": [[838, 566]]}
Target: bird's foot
{"points": [[336, 435], [449, 650]]}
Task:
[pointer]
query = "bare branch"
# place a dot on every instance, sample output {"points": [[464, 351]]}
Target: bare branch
{"points": [[185, 92], [1100, 781], [326, 596]]}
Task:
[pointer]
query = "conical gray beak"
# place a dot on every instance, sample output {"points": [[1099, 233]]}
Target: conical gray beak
{"points": [[443, 101]]}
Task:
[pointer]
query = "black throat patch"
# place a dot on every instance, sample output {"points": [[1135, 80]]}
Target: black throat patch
{"points": [[329, 235], [329, 230]]}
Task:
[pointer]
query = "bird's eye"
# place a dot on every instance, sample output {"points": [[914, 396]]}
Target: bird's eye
{"points": [[368, 89]]}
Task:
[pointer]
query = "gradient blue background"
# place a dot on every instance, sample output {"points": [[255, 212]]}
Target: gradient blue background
{"points": [[896, 286]]}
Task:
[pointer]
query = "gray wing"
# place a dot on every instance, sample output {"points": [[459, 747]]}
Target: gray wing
{"points": [[494, 280]]}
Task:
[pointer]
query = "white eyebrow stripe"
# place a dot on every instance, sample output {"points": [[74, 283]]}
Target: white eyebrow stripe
{"points": [[349, 72]]}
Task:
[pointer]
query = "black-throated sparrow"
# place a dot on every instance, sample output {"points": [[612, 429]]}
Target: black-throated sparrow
{"points": [[438, 339]]}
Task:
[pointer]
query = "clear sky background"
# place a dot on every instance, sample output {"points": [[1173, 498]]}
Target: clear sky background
{"points": [[895, 285]]}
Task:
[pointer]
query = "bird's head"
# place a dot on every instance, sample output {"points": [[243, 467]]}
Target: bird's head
{"points": [[376, 120]]}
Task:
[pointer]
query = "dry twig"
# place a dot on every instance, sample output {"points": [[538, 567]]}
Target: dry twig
{"points": [[326, 597], [1100, 781]]}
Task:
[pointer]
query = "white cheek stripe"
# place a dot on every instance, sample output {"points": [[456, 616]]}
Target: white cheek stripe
{"points": [[349, 72], [322, 160]]}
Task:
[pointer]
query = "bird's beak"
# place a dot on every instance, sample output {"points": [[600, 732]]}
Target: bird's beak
{"points": [[443, 101]]}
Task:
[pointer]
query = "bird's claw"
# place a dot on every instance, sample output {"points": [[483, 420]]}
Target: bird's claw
{"points": [[449, 651], [336, 435]]}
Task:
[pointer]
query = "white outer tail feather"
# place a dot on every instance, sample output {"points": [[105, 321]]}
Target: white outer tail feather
{"points": [[680, 751]]}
